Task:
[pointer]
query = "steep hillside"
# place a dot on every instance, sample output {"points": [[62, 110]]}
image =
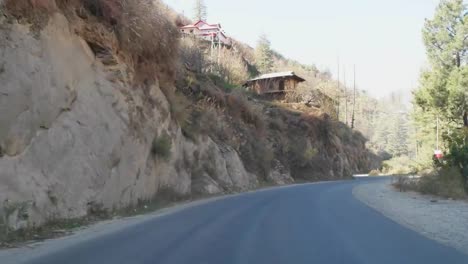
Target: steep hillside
{"points": [[93, 118]]}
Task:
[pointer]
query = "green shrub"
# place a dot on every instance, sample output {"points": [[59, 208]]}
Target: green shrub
{"points": [[179, 105], [310, 153], [97, 210], [277, 123], [458, 154], [221, 82], [300, 152], [374, 173], [205, 120], [241, 108], [162, 146], [257, 155]]}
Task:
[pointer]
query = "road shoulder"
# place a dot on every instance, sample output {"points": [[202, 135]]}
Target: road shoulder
{"points": [[442, 220]]}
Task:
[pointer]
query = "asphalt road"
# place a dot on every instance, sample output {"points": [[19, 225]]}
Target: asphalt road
{"points": [[313, 223]]}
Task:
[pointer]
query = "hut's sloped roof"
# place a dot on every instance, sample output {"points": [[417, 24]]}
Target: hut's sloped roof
{"points": [[277, 75]]}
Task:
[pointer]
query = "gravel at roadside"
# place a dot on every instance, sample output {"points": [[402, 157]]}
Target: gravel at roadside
{"points": [[443, 220]]}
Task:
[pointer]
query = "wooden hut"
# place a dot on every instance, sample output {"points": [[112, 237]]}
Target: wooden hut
{"points": [[274, 84]]}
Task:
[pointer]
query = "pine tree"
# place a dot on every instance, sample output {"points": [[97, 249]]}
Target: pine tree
{"points": [[264, 55], [382, 132], [445, 35], [200, 10], [443, 91], [398, 137], [445, 40]]}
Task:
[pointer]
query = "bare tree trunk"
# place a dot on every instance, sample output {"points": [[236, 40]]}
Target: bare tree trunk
{"points": [[354, 99], [346, 98], [338, 91], [465, 119]]}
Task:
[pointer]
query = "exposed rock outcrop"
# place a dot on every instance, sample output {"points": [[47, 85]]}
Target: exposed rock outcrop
{"points": [[72, 139], [79, 132]]}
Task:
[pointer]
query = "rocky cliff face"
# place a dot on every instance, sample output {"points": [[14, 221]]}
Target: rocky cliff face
{"points": [[72, 138], [79, 134]]}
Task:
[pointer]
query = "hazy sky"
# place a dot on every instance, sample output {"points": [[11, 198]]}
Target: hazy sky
{"points": [[382, 37]]}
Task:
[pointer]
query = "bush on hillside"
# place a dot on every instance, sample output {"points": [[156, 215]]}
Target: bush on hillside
{"points": [[222, 83], [145, 31], [312, 96], [400, 165], [231, 66], [206, 119], [240, 107], [257, 155], [191, 57], [247, 52], [161, 147], [458, 152]]}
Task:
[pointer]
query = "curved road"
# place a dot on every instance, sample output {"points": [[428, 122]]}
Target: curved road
{"points": [[312, 223]]}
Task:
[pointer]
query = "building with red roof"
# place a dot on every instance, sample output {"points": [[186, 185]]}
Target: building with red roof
{"points": [[206, 31]]}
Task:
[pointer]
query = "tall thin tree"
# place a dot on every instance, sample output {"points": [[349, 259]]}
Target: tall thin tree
{"points": [[264, 55], [200, 12], [354, 98], [345, 97], [338, 101]]}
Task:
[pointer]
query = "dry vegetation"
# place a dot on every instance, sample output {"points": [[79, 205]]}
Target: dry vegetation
{"points": [[226, 65], [263, 132], [203, 93], [143, 34], [443, 182], [400, 165], [232, 66], [304, 138]]}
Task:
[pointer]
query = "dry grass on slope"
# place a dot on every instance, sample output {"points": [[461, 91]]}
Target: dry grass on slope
{"points": [[145, 30], [264, 132], [306, 140]]}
